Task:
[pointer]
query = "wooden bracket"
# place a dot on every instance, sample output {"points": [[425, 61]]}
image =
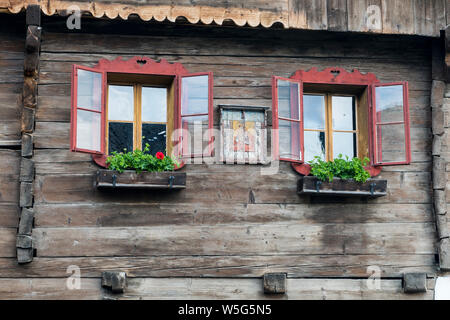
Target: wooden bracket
{"points": [[414, 282], [275, 283], [33, 15], [26, 170], [27, 145], [24, 246], [114, 281]]}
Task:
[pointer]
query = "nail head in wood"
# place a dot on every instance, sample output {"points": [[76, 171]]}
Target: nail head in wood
{"points": [[275, 283], [115, 281], [414, 282]]}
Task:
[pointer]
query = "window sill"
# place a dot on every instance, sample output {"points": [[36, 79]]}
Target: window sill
{"points": [[342, 188], [305, 169], [107, 179]]}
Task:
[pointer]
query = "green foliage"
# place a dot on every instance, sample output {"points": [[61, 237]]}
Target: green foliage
{"points": [[340, 168], [140, 160]]}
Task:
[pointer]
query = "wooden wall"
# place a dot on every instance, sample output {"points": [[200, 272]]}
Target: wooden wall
{"points": [[11, 84], [231, 225], [421, 17]]}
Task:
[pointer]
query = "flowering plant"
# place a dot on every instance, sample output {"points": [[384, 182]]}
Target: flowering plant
{"points": [[141, 160]]}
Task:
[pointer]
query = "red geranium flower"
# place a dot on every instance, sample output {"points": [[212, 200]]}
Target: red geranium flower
{"points": [[160, 155]]}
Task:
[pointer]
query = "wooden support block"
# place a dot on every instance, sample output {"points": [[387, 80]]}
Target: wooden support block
{"points": [[28, 116], [26, 222], [29, 94], [440, 202], [33, 40], [27, 145], [33, 15], [24, 255], [437, 93], [437, 145], [275, 283], [444, 254], [414, 282], [24, 241], [31, 64], [26, 195], [115, 281], [437, 117], [441, 224], [26, 170], [439, 175]]}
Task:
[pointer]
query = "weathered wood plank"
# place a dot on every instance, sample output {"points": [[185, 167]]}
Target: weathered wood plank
{"points": [[365, 15], [337, 15], [250, 239], [339, 266], [251, 289], [398, 16], [199, 289], [133, 215], [8, 242]]}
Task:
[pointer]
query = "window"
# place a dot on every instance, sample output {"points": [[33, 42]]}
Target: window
{"points": [[121, 105], [334, 112]]}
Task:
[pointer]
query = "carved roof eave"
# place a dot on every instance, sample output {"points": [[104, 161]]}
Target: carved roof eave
{"points": [[194, 14]]}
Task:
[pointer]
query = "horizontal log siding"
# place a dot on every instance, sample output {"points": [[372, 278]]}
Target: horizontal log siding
{"points": [[230, 222]]}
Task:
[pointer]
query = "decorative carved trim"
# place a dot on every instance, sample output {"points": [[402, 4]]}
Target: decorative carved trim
{"points": [[141, 65], [335, 76]]}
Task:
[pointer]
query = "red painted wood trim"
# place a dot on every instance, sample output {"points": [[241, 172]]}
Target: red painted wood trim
{"points": [[335, 76], [376, 126], [305, 169]]}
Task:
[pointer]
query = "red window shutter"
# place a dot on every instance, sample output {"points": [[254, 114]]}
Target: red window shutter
{"points": [[391, 142], [195, 114], [287, 119], [87, 123]]}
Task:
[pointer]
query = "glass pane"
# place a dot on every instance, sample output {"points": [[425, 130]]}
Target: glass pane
{"points": [[344, 117], [288, 100], [88, 130], [154, 104], [314, 145], [194, 96], [314, 112], [344, 143], [89, 90], [195, 139], [155, 135], [120, 137], [389, 101], [392, 139], [289, 137], [120, 103]]}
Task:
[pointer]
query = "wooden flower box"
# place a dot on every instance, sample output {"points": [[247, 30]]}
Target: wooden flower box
{"points": [[107, 179], [372, 188]]}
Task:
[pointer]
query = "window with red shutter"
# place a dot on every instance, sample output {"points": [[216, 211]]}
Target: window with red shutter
{"points": [[124, 104], [340, 112]]}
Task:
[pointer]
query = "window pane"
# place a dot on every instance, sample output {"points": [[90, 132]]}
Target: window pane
{"points": [[195, 139], [121, 103], [89, 90], [155, 135], [344, 117], [314, 145], [392, 139], [194, 97], [288, 100], [289, 138], [389, 101], [120, 137], [154, 104], [344, 143], [88, 130], [314, 112]]}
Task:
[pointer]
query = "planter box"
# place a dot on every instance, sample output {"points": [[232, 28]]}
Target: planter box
{"points": [[342, 188], [144, 180]]}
